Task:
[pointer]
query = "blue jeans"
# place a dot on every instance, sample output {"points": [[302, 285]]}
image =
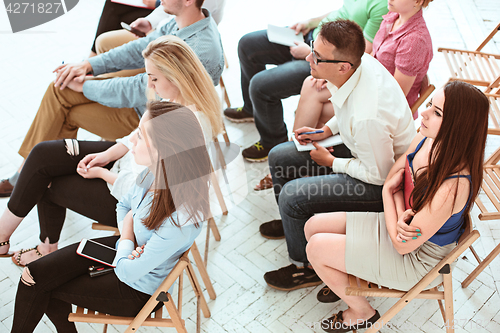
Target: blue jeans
{"points": [[264, 89], [322, 191]]}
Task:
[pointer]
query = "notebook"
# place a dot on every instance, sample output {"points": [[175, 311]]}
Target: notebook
{"points": [[331, 141], [283, 36]]}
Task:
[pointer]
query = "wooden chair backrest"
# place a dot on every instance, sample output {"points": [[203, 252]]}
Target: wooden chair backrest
{"points": [[426, 90], [489, 37], [494, 100]]}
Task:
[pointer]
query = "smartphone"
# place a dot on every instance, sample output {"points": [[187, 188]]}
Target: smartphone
{"points": [[132, 30], [96, 251]]}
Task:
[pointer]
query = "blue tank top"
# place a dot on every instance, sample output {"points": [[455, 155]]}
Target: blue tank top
{"points": [[453, 228]]}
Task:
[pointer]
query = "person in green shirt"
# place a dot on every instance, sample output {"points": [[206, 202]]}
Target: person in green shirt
{"points": [[264, 89]]}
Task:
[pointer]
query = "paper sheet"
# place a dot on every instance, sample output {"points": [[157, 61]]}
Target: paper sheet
{"points": [[331, 141], [283, 36]]}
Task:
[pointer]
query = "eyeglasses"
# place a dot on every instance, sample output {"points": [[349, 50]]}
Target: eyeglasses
{"points": [[317, 61]]}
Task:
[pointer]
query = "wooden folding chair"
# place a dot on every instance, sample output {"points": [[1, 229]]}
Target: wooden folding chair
{"points": [[145, 317], [360, 287], [494, 125], [200, 263], [491, 188], [426, 90], [475, 67]]}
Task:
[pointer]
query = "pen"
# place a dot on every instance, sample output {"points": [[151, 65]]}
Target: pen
{"points": [[315, 132]]}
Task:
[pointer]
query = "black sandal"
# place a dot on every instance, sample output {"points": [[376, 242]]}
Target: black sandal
{"points": [[8, 254], [17, 259]]}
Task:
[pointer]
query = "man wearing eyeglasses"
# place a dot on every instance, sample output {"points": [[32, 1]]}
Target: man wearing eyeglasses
{"points": [[263, 89], [376, 127]]}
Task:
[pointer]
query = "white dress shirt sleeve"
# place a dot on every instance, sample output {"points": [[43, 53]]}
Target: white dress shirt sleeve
{"points": [[333, 125], [374, 153]]}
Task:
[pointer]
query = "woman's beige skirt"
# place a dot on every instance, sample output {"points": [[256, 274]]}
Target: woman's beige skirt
{"points": [[371, 256]]}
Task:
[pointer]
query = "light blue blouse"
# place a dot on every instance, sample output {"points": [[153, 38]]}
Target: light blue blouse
{"points": [[163, 247], [130, 92]]}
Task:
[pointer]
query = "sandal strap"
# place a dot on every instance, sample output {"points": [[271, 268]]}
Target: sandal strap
{"points": [[37, 252], [7, 242], [18, 257]]}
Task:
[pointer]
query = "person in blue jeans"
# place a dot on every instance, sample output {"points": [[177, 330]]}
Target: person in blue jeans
{"points": [[375, 124], [158, 221], [264, 89]]}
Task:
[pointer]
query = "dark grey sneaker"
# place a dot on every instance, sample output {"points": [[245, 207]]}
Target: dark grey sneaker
{"points": [[238, 115], [256, 153], [292, 277]]}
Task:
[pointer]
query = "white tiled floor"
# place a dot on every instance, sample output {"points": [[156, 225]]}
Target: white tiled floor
{"points": [[236, 265]]}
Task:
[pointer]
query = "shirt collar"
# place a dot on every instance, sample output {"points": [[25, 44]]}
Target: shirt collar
{"points": [[339, 95], [192, 29], [409, 25]]}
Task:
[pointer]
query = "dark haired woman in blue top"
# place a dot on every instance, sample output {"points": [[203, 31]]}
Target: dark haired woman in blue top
{"points": [[444, 163]]}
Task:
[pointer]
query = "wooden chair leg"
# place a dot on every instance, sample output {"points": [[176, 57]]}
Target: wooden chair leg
{"points": [[203, 271], [389, 314], [197, 290], [441, 306], [105, 329], [481, 266], [218, 152], [448, 303], [218, 193], [211, 226], [214, 228], [207, 243], [174, 315], [474, 253], [224, 92], [224, 134]]}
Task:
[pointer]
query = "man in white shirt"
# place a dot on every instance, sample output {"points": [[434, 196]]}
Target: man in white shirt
{"points": [[376, 127]]}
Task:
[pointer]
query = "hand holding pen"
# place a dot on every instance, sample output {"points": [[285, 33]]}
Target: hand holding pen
{"points": [[305, 135]]}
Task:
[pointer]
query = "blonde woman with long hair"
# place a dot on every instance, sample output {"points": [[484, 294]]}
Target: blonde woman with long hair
{"points": [[102, 171]]}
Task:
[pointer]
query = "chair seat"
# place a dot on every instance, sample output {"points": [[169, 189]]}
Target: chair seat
{"points": [[360, 287], [88, 316]]}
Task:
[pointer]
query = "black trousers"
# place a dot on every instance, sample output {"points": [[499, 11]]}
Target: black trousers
{"points": [[114, 13], [61, 279], [49, 163]]}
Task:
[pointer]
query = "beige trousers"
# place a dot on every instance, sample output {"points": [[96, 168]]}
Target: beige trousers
{"points": [[63, 112]]}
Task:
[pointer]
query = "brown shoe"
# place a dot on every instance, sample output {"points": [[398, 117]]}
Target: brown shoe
{"points": [[5, 188], [272, 229], [238, 115], [256, 153]]}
